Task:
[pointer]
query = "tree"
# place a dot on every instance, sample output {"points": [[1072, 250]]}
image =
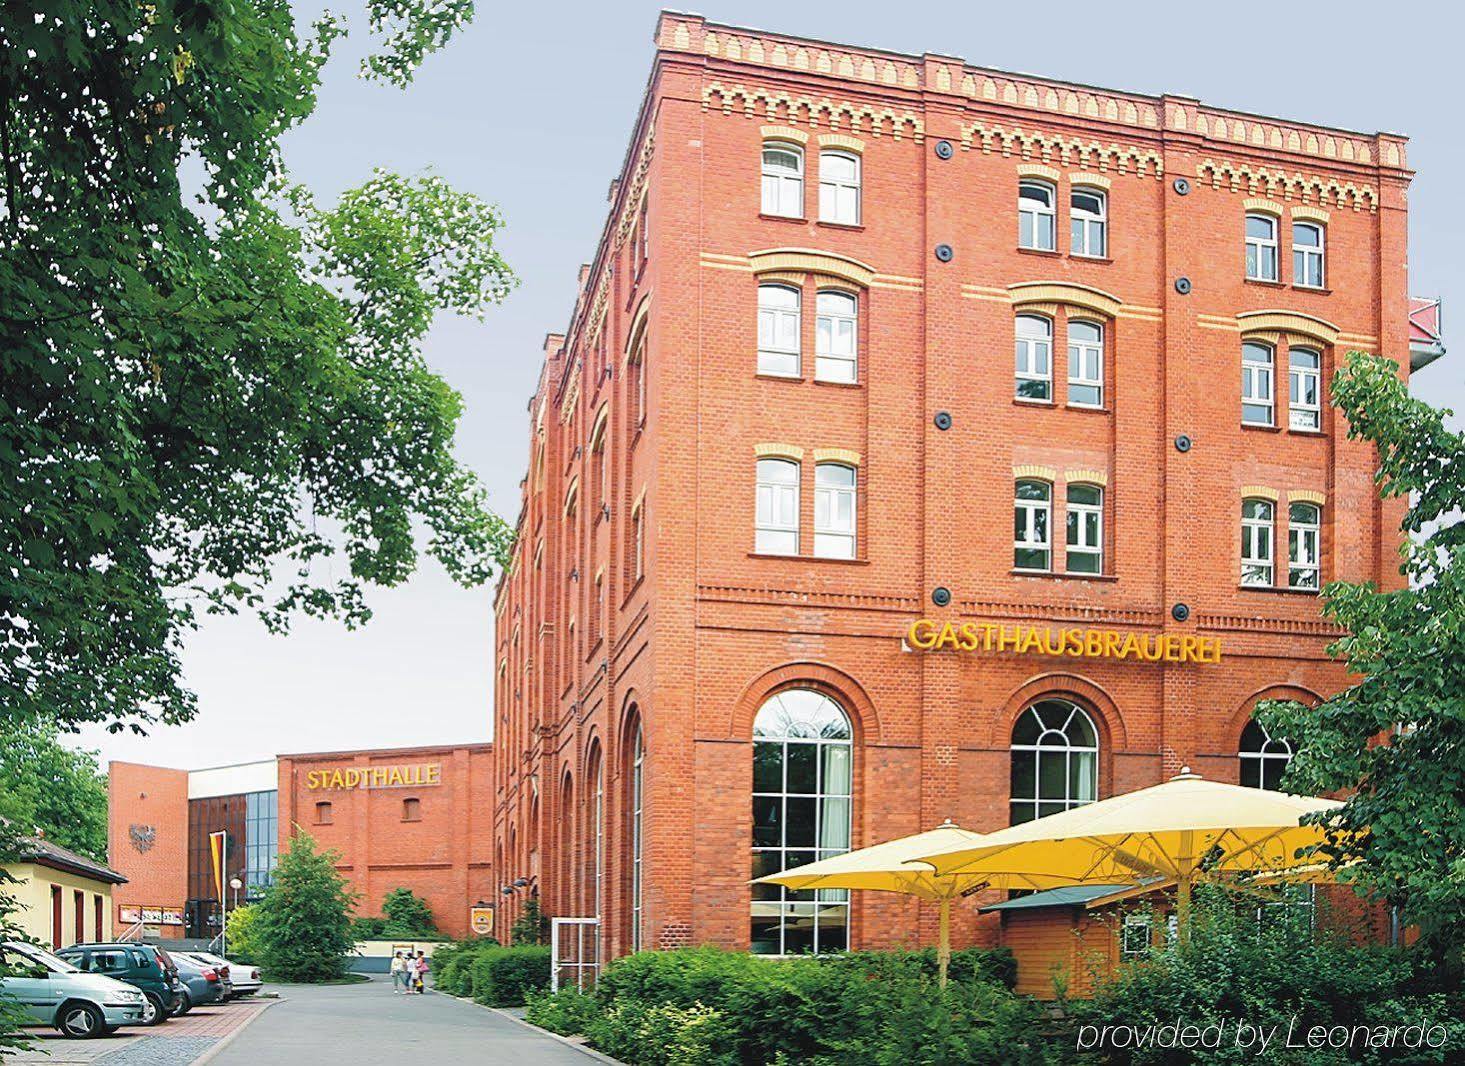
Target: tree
{"points": [[241, 933], [407, 915], [215, 398], [532, 925], [1395, 738], [46, 786], [302, 927], [12, 1015]]}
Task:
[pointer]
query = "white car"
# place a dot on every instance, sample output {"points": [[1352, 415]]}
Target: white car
{"points": [[54, 992], [244, 977]]}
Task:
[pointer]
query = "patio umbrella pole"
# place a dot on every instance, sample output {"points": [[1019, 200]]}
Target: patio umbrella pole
{"points": [[943, 948], [1183, 875]]}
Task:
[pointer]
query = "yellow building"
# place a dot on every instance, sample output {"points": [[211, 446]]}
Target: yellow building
{"points": [[65, 898]]}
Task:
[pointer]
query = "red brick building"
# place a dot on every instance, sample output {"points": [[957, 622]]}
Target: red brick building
{"points": [[418, 818], [874, 338]]}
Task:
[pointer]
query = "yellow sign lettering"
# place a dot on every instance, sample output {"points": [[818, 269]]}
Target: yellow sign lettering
{"points": [[927, 634]]}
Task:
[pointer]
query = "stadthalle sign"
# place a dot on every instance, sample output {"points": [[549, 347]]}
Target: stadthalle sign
{"points": [[375, 777], [927, 634]]}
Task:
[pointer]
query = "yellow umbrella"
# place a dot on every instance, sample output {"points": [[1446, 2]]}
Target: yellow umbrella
{"points": [[1181, 829], [889, 867]]}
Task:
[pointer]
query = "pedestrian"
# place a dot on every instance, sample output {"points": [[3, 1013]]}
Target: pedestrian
{"points": [[400, 978], [420, 969]]}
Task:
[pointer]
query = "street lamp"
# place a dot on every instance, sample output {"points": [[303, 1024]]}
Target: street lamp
{"points": [[236, 885]]}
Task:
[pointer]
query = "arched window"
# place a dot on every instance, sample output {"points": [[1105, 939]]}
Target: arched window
{"points": [[783, 179], [1256, 541], [777, 511], [778, 330], [1034, 358], [636, 807], [1085, 529], [835, 503], [1307, 254], [1261, 247], [1055, 760], [1032, 545], [802, 756], [1035, 215], [839, 188], [1089, 221], [1304, 526], [836, 333], [1304, 377], [595, 816], [1263, 757], [1256, 384], [1085, 364]]}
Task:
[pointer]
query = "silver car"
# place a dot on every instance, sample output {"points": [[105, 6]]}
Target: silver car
{"points": [[56, 993], [243, 977]]}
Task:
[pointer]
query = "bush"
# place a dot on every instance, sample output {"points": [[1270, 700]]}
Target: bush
{"points": [[532, 925], [567, 1012], [662, 1034], [502, 976], [452, 963], [365, 928], [407, 915], [241, 933]]}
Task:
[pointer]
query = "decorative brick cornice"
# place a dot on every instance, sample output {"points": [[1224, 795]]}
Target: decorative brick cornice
{"points": [[782, 106], [1243, 177], [1056, 149]]}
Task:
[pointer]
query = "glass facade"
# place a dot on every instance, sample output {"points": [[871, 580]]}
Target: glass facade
{"points": [[251, 821], [261, 841]]}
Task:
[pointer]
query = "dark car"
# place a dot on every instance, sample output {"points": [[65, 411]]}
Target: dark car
{"points": [[146, 968], [202, 982]]}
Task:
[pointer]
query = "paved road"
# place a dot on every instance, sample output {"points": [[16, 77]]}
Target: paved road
{"points": [[361, 1023]]}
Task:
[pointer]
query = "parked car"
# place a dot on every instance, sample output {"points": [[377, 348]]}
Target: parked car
{"points": [[243, 976], [203, 982], [54, 992], [147, 968]]}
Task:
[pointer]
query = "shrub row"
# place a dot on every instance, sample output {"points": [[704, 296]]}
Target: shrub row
{"points": [[490, 973]]}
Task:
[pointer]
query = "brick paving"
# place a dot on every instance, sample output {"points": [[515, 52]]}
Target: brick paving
{"points": [[176, 1042]]}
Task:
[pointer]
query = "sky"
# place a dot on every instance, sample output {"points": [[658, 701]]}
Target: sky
{"points": [[531, 108]]}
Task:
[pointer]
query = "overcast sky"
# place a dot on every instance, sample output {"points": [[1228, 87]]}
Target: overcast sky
{"points": [[531, 107]]}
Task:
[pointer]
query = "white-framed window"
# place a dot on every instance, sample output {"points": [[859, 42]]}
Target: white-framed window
{"points": [[835, 509], [1034, 358], [1263, 757], [638, 807], [777, 516], [836, 337], [1036, 217], [1256, 542], [839, 188], [802, 782], [783, 179], [1308, 254], [1032, 514], [1135, 936], [1085, 364], [638, 543], [1304, 532], [641, 384], [778, 330], [1055, 760], [1088, 222], [1256, 384], [1085, 529], [1261, 247], [1304, 379]]}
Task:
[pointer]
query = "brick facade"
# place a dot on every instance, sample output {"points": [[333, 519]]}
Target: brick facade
{"points": [[147, 838], [593, 645]]}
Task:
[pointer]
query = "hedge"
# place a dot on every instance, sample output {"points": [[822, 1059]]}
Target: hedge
{"points": [[502, 976], [451, 964]]}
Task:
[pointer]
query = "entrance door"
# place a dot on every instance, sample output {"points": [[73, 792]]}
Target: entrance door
{"points": [[56, 942]]}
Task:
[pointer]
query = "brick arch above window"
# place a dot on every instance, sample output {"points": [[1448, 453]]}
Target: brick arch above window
{"points": [[1264, 206], [842, 142], [812, 261], [1291, 323], [837, 455], [1033, 471], [637, 329], [1281, 691], [819, 677], [774, 450], [1039, 171], [1086, 477], [1306, 496], [1259, 492], [784, 133], [1095, 699], [1084, 179], [1308, 213], [1027, 293]]}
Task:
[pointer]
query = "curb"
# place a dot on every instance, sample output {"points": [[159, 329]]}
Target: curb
{"points": [[582, 1048], [219, 1046]]}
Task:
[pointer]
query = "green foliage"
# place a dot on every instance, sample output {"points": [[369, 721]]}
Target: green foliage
{"points": [[45, 785], [663, 1034], [876, 1007], [241, 933], [215, 399], [367, 927], [1403, 816], [567, 1012], [502, 977], [1266, 974], [12, 1016], [532, 925], [407, 915], [303, 924]]}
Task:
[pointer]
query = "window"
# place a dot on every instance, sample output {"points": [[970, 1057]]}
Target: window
{"points": [[641, 384], [323, 813], [783, 180], [412, 810], [1085, 529], [1307, 254], [261, 840], [597, 839], [834, 511], [1085, 364], [839, 188], [1035, 216], [638, 792], [638, 542], [1261, 247], [836, 328], [777, 517], [1303, 527], [1134, 936], [642, 234], [1263, 757], [1304, 388], [802, 755], [1089, 222], [1256, 384], [1032, 508], [1034, 358], [1055, 760], [1256, 542], [778, 330]]}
